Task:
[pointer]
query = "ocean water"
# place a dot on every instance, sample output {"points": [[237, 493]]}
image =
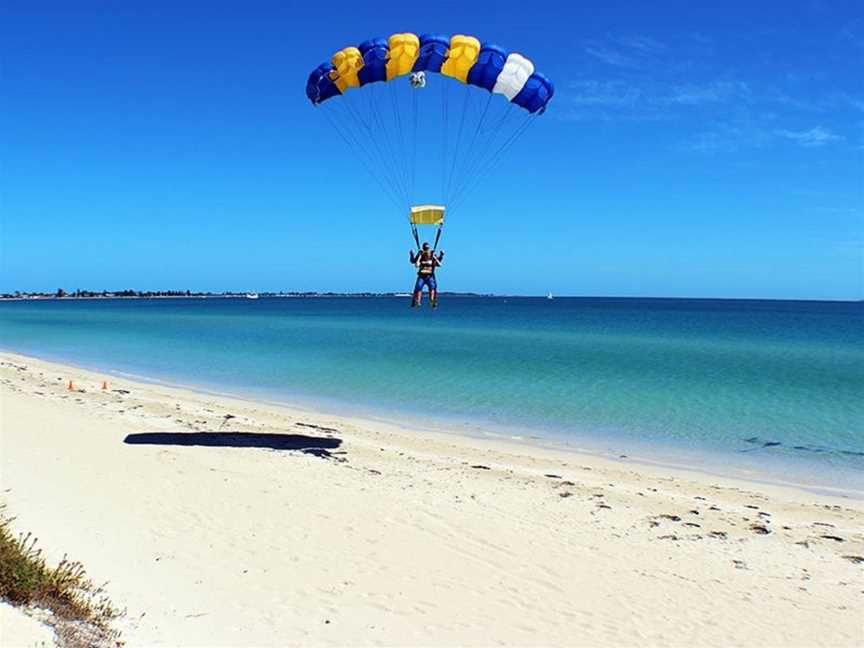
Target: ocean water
{"points": [[773, 388]]}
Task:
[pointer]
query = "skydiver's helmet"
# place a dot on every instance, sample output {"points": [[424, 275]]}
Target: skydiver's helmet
{"points": [[418, 80]]}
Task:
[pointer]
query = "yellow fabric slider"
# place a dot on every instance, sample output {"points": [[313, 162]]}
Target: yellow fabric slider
{"points": [[427, 215], [348, 62], [404, 50], [464, 51]]}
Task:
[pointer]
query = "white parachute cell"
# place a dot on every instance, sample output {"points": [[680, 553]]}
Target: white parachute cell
{"points": [[513, 76]]}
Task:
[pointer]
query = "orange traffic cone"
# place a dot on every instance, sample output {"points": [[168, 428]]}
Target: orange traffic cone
{"points": [[71, 387], [104, 385]]}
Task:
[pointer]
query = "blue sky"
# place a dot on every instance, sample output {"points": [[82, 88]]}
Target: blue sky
{"points": [[708, 151]]}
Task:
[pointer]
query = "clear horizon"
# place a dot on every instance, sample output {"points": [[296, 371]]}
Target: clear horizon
{"points": [[48, 294], [689, 152]]}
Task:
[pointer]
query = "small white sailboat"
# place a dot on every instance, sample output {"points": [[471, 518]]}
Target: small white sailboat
{"points": [[251, 295], [549, 296]]}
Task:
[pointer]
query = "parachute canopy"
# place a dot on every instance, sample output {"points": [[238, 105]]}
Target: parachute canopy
{"points": [[467, 98], [460, 57]]}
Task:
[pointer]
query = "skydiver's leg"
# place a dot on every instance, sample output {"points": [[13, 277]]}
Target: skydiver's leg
{"points": [[433, 292], [418, 293]]}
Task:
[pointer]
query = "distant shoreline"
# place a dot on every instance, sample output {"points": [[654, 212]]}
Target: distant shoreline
{"points": [[43, 297], [144, 295]]}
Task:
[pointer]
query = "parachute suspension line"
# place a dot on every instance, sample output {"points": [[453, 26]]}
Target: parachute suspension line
{"points": [[353, 147], [389, 155], [479, 128], [482, 157], [401, 159], [362, 153], [415, 116], [403, 122], [367, 129], [370, 110], [366, 135], [360, 127], [414, 231], [385, 160], [497, 129], [508, 112], [407, 117], [446, 135], [496, 157], [359, 132], [467, 166], [397, 162], [356, 114], [458, 140], [388, 151]]}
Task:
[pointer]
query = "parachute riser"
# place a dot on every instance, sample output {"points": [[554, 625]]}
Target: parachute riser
{"points": [[416, 236]]}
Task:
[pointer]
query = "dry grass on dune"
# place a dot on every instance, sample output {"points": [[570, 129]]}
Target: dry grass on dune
{"points": [[79, 610]]}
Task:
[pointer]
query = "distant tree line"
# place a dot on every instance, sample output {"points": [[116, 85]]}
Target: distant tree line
{"points": [[60, 293]]}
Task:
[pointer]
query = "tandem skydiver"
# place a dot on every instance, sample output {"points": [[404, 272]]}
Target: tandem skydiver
{"points": [[425, 261]]}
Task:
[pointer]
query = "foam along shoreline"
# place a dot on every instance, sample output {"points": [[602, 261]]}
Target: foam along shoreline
{"points": [[223, 521]]}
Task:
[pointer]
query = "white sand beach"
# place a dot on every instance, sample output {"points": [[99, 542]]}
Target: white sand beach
{"points": [[17, 628], [223, 522]]}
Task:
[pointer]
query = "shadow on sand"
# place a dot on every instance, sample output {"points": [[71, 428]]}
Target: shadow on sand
{"points": [[318, 446]]}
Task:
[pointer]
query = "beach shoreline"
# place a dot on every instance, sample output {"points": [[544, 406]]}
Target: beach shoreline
{"points": [[363, 531], [702, 462]]}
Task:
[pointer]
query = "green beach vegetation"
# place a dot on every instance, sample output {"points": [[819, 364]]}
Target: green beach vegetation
{"points": [[81, 612]]}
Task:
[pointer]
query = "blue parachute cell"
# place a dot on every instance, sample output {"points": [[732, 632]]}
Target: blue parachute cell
{"points": [[535, 94], [319, 86], [489, 64], [374, 53], [433, 52]]}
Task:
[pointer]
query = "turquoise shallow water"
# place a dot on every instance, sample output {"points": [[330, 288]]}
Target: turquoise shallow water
{"points": [[764, 385]]}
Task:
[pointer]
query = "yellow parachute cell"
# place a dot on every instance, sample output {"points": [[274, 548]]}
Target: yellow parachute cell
{"points": [[427, 215], [464, 51], [404, 50], [348, 62]]}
